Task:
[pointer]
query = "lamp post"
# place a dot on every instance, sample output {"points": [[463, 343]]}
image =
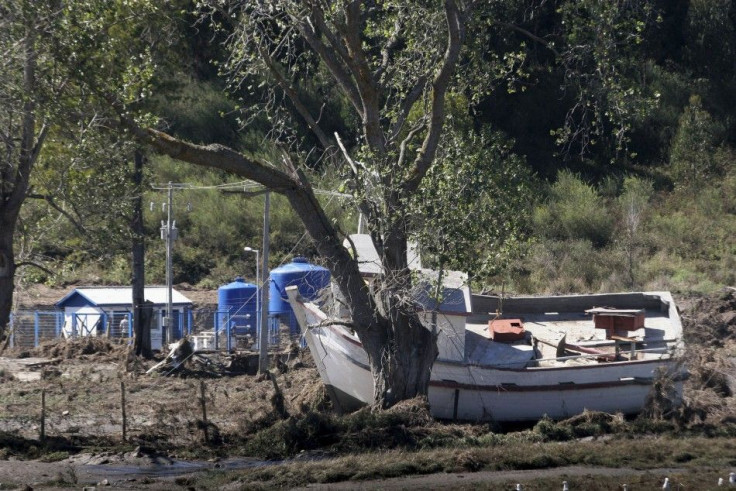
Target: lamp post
{"points": [[263, 288], [258, 286]]}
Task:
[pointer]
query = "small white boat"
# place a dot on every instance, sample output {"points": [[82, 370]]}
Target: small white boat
{"points": [[555, 356]]}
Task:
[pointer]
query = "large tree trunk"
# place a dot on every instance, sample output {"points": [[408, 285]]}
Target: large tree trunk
{"points": [[142, 346], [14, 180], [402, 352], [7, 274]]}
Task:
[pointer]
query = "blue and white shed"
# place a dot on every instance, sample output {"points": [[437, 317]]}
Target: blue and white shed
{"points": [[93, 311]]}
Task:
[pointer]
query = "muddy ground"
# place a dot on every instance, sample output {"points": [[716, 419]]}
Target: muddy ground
{"points": [[65, 397], [61, 412]]}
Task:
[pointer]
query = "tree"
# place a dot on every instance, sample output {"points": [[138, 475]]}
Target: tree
{"points": [[694, 155], [22, 127], [386, 59], [633, 202], [52, 54], [389, 68], [471, 211]]}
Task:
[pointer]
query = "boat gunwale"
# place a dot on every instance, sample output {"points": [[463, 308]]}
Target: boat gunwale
{"points": [[573, 386], [670, 358]]}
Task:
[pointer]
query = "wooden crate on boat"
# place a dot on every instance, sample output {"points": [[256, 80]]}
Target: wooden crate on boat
{"points": [[617, 320]]}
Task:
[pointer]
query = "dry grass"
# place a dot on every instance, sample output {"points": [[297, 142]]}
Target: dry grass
{"points": [[709, 456]]}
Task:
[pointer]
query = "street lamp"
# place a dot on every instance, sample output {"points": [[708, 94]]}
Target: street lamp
{"points": [[258, 286]]}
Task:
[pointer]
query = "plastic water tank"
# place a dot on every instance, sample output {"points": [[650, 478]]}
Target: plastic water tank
{"points": [[310, 279], [237, 303]]}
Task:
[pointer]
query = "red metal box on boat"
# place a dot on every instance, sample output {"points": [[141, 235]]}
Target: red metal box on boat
{"points": [[506, 330]]}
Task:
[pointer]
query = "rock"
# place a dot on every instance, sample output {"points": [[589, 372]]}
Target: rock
{"points": [[64, 413], [104, 482]]}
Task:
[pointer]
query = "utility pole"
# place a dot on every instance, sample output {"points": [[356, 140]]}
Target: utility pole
{"points": [[169, 276], [169, 233]]}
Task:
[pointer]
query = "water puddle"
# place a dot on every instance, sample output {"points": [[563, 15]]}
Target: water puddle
{"points": [[166, 469]]}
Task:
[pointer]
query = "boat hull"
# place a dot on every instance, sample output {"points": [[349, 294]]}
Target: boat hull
{"points": [[481, 393], [460, 390]]}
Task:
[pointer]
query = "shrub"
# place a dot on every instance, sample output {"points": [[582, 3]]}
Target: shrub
{"points": [[574, 211], [551, 430], [693, 155]]}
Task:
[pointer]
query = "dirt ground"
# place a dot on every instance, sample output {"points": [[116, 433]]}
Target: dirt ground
{"points": [[72, 394], [142, 475]]}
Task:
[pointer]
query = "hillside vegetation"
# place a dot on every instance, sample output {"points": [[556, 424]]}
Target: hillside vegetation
{"points": [[617, 160]]}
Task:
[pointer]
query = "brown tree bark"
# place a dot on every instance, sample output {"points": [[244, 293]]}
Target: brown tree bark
{"points": [[142, 343], [142, 347], [7, 274]]}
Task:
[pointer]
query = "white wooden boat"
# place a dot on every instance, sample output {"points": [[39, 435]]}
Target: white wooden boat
{"points": [[562, 366]]}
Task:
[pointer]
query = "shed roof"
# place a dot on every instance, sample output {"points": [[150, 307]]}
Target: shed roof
{"points": [[120, 295]]}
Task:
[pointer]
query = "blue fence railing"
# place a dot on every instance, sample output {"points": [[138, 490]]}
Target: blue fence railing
{"points": [[215, 329]]}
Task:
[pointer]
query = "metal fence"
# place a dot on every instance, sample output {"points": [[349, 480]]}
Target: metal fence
{"points": [[209, 329]]}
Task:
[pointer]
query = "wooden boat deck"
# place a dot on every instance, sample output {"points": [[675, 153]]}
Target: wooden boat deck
{"points": [[574, 328]]}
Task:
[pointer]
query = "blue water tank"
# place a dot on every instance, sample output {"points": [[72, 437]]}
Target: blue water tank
{"points": [[310, 279], [237, 303]]}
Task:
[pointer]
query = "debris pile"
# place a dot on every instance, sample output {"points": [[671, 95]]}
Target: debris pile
{"points": [[179, 353], [712, 319], [69, 349]]}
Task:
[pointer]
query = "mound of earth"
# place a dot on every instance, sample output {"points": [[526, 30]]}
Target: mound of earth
{"points": [[75, 348], [711, 320]]}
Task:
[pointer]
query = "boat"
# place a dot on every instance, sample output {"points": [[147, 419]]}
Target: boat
{"points": [[521, 358]]}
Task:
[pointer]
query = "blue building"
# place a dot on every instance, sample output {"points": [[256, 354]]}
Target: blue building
{"points": [[96, 311]]}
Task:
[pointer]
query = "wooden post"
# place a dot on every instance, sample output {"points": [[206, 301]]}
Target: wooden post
{"points": [[122, 408], [203, 402], [43, 415]]}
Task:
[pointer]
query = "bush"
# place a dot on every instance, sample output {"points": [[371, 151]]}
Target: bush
{"points": [[553, 431], [574, 210], [694, 147], [571, 266], [293, 435]]}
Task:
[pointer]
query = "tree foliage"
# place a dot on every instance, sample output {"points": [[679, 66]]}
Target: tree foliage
{"points": [[61, 61], [600, 42], [477, 197]]}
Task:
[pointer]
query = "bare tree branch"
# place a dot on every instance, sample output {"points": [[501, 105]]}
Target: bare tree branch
{"points": [[425, 156], [333, 322], [35, 265], [295, 99], [364, 77], [50, 200], [532, 36], [409, 137], [336, 67], [391, 44], [217, 156], [406, 105]]}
